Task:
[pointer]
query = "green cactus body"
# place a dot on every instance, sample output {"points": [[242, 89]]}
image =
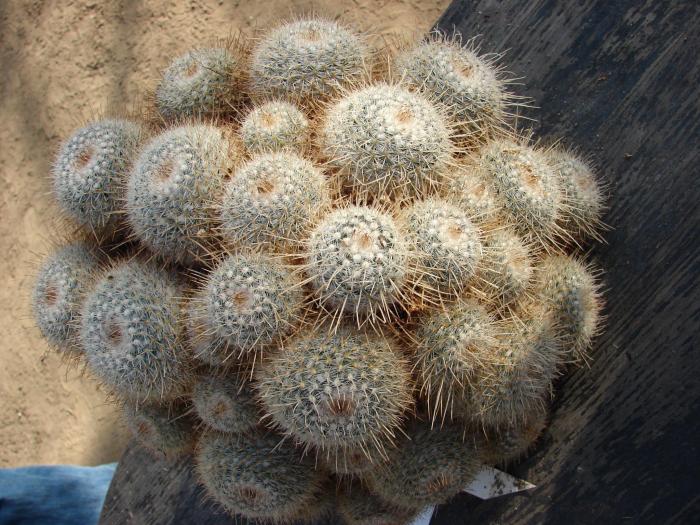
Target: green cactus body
{"points": [[256, 476], [583, 202], [307, 61], [453, 347], [171, 190], [131, 332], [511, 444], [465, 83], [357, 262], [90, 171], [202, 82], [446, 249], [272, 201], [429, 469], [225, 403], [517, 385], [275, 126], [571, 291], [384, 139], [357, 506], [250, 302], [507, 269], [337, 391], [62, 281], [528, 190], [165, 434]]}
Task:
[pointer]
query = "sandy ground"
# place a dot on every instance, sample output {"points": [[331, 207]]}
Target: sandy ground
{"points": [[64, 62]]}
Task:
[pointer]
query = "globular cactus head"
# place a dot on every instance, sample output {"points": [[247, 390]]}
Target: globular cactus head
{"points": [[358, 506], [385, 140], [225, 403], [583, 201], [256, 476], [250, 301], [428, 468], [512, 443], [61, 283], [452, 348], [357, 262], [519, 382], [172, 188], [131, 332], [273, 126], [506, 270], [273, 201], [337, 391], [446, 249], [307, 61], [570, 289], [166, 432], [467, 84], [90, 171], [203, 82], [470, 189], [204, 346], [528, 190], [350, 461]]}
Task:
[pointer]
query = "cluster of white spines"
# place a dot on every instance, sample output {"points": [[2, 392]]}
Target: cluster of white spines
{"points": [[384, 139], [274, 126], [91, 169], [339, 256]]}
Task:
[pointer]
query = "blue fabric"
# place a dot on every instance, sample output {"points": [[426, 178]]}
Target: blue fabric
{"points": [[53, 495]]}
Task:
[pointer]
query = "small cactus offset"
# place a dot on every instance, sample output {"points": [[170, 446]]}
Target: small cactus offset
{"points": [[351, 278], [172, 188], [90, 171], [202, 82], [308, 61], [385, 140], [65, 276], [132, 332], [225, 403], [274, 126], [166, 432]]}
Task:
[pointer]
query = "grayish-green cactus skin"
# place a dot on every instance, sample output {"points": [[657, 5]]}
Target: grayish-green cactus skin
{"points": [[465, 83], [428, 469], [570, 289], [273, 201], [167, 433], [337, 391], [90, 170], [201, 82], [256, 476], [63, 279], [447, 249], [386, 139], [357, 261], [275, 126], [132, 335], [250, 301], [307, 60], [172, 187], [225, 403]]}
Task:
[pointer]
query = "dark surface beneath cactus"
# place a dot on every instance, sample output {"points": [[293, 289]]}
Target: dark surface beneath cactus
{"points": [[621, 80]]}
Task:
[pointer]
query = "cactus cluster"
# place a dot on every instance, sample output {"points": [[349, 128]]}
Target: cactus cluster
{"points": [[326, 269]]}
